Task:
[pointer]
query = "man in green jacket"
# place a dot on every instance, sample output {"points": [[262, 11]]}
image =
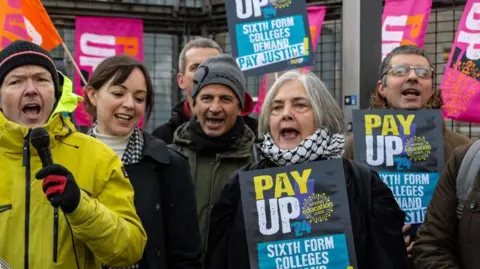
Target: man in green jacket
{"points": [[216, 140], [75, 213]]}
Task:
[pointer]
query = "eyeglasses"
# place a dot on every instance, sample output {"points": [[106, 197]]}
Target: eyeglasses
{"points": [[402, 70]]}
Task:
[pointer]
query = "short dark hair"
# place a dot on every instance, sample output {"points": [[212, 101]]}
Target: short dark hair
{"points": [[118, 67], [401, 50]]}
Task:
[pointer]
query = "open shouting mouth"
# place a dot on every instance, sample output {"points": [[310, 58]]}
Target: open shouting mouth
{"points": [[32, 110], [289, 133]]}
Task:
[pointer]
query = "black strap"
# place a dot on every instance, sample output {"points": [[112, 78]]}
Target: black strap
{"points": [[467, 174]]}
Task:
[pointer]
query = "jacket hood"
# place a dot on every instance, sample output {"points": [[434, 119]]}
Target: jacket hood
{"points": [[68, 100], [243, 145]]}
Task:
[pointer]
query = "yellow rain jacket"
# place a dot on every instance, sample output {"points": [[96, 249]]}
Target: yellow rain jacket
{"points": [[105, 226]]}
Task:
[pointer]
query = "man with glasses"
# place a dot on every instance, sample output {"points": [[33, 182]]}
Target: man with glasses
{"points": [[407, 82], [408, 90]]}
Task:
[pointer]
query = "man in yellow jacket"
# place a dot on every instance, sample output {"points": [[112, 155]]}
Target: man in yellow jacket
{"points": [[76, 213]]}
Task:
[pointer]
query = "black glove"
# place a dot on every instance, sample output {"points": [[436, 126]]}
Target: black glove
{"points": [[60, 187]]}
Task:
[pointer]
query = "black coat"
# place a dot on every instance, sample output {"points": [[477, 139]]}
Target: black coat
{"points": [[376, 223], [166, 130], [165, 202]]}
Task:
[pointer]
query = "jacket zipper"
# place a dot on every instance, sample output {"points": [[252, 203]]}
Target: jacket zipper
{"points": [[55, 235], [26, 164], [210, 206]]}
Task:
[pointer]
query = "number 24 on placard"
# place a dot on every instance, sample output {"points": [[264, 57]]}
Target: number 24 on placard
{"points": [[301, 226]]}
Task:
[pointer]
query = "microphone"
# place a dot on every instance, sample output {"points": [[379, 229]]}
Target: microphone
{"points": [[40, 140]]}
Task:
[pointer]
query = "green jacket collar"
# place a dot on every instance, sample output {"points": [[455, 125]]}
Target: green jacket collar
{"points": [[243, 146]]}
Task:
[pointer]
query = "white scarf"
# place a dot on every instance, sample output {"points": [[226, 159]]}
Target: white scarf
{"points": [[320, 145]]}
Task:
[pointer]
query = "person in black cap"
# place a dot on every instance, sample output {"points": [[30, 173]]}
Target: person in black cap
{"points": [[17, 61], [216, 139], [75, 213]]}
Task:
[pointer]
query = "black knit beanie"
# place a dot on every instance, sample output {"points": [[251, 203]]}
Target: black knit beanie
{"points": [[20, 53]]}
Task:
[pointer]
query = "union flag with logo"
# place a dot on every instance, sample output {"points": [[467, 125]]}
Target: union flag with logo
{"points": [[27, 20]]}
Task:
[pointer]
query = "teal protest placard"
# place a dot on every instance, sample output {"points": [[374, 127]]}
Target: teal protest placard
{"points": [[405, 147], [298, 217], [269, 36]]}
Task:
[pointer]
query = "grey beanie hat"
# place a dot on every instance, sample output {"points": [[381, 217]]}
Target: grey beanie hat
{"points": [[221, 69]]}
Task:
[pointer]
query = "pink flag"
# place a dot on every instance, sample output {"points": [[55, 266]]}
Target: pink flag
{"points": [[98, 38], [316, 16], [404, 22], [460, 83]]}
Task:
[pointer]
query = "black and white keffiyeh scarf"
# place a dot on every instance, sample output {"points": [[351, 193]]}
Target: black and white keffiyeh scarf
{"points": [[321, 145], [133, 154], [134, 150]]}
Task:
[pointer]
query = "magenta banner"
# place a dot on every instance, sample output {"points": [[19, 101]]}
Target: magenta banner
{"points": [[404, 22], [460, 85], [97, 38]]}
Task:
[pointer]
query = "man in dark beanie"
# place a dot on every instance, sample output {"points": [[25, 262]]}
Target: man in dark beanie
{"points": [[75, 213], [216, 139], [195, 52], [17, 62]]}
